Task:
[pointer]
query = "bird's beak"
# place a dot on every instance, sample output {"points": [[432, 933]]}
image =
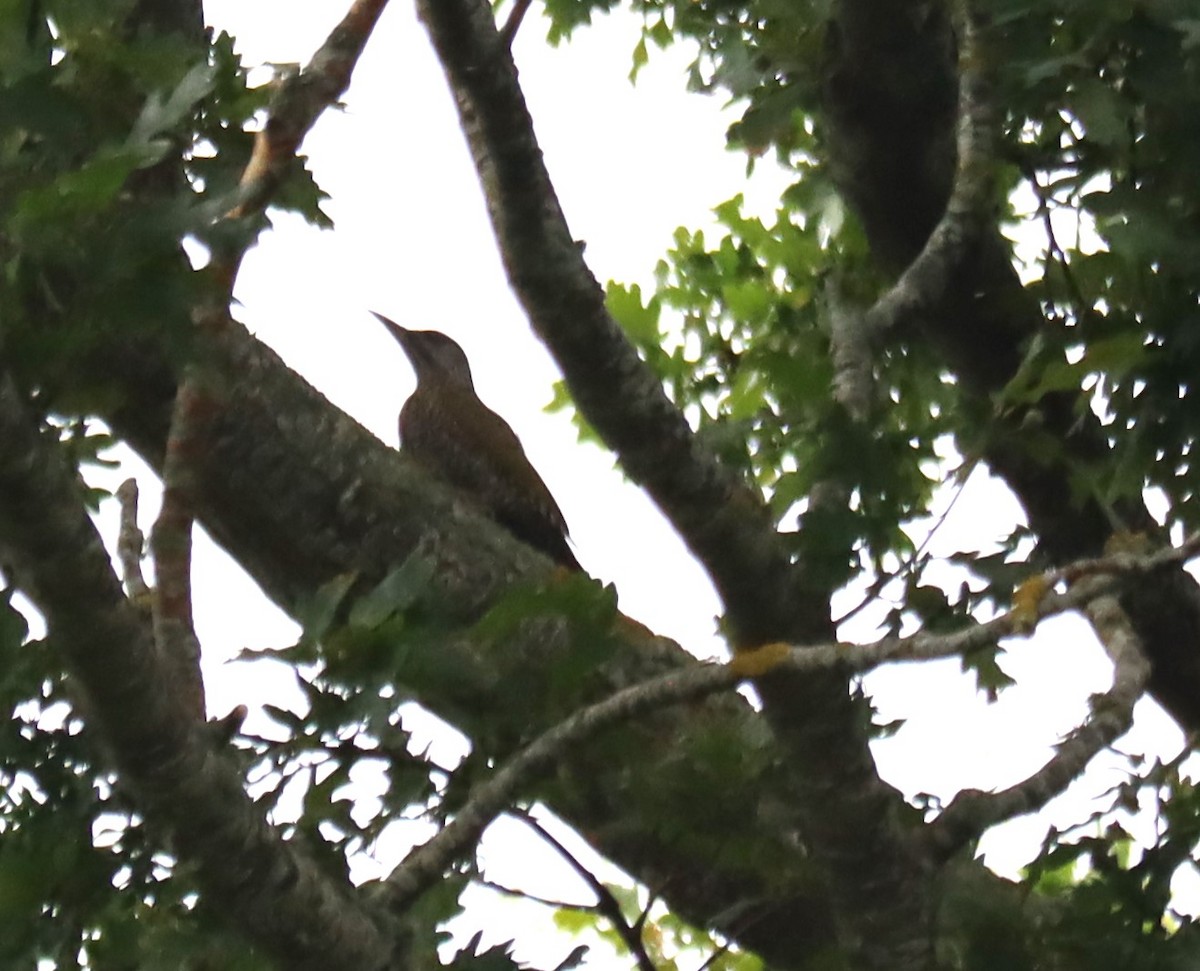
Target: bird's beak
{"points": [[398, 332]]}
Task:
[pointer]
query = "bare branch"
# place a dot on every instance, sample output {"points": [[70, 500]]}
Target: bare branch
{"points": [[171, 543], [425, 865], [131, 544], [1054, 252], [606, 904], [972, 811], [508, 32], [535, 898], [970, 211], [279, 898]]}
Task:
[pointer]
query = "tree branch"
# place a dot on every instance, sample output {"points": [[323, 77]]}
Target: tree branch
{"points": [[971, 812], [887, 99], [300, 101], [515, 18], [1091, 580], [131, 543], [850, 348], [280, 899], [606, 904], [971, 211], [425, 865], [299, 493], [725, 525], [171, 543]]}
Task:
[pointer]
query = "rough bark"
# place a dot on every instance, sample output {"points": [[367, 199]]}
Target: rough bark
{"points": [[853, 824], [279, 897], [299, 493]]}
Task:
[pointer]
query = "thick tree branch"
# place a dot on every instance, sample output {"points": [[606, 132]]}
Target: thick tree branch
{"points": [[278, 898], [300, 494], [888, 95], [970, 211], [722, 522]]}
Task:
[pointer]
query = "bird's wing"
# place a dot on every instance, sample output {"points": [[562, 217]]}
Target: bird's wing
{"points": [[466, 443]]}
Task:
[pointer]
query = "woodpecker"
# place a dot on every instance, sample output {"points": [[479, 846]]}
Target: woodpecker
{"points": [[448, 430]]}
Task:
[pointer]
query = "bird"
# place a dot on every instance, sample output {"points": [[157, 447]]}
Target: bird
{"points": [[446, 428]]}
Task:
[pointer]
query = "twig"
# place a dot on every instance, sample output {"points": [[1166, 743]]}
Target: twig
{"points": [[606, 904], [971, 812], [131, 543], [526, 895], [909, 566], [424, 866], [508, 32], [1056, 251], [171, 544], [712, 959]]}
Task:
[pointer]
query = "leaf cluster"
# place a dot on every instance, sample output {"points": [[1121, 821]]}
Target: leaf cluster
{"points": [[95, 207]]}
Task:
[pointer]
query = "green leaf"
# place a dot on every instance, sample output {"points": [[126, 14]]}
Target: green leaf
{"points": [[640, 57], [317, 614], [748, 301], [1116, 356], [638, 320], [394, 594], [1102, 112], [161, 116], [747, 396]]}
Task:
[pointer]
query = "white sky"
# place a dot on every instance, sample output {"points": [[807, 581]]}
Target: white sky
{"points": [[412, 241]]}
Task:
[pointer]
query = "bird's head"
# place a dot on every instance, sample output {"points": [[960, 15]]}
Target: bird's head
{"points": [[432, 353]]}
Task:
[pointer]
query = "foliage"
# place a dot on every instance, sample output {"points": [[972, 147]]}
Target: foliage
{"points": [[120, 147], [1098, 103]]}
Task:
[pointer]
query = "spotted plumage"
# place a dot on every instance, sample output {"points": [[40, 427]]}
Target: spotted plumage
{"points": [[453, 434]]}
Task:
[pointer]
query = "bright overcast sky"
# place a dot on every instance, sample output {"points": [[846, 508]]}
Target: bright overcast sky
{"points": [[412, 241]]}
